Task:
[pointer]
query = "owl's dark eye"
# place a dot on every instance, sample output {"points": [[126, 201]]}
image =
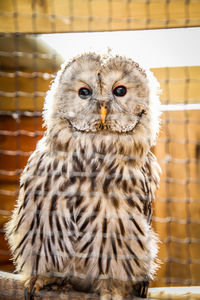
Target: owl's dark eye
{"points": [[120, 91], [84, 93]]}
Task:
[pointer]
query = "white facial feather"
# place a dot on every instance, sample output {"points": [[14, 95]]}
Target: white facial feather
{"points": [[63, 102]]}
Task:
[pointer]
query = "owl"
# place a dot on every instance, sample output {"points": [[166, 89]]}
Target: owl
{"points": [[84, 210]]}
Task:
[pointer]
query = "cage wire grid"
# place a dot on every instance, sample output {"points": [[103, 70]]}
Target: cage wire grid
{"points": [[27, 69]]}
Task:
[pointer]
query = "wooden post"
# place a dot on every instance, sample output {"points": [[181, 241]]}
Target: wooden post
{"points": [[12, 287]]}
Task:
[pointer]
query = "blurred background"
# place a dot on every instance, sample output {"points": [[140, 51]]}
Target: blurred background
{"points": [[37, 36]]}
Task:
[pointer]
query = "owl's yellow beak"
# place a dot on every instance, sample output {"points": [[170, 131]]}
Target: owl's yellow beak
{"points": [[103, 112]]}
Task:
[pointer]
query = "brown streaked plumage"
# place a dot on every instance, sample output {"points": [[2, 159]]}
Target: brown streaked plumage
{"points": [[85, 204]]}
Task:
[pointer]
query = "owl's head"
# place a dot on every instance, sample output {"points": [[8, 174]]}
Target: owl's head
{"points": [[104, 95]]}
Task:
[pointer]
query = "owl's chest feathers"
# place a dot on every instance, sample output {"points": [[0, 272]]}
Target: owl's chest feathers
{"points": [[107, 178], [99, 177], [101, 195], [100, 174], [109, 207]]}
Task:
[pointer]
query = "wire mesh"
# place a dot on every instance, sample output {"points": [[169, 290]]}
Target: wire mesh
{"points": [[178, 197], [97, 15], [26, 70]]}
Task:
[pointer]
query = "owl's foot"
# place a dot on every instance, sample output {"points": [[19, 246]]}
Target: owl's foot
{"points": [[29, 290], [35, 284], [141, 289]]}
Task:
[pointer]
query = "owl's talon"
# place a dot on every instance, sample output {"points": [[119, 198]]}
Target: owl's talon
{"points": [[29, 295], [26, 293], [34, 284], [37, 287], [32, 293], [31, 287]]}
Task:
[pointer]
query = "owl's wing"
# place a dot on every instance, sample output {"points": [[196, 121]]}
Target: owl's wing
{"points": [[40, 227], [151, 172]]}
